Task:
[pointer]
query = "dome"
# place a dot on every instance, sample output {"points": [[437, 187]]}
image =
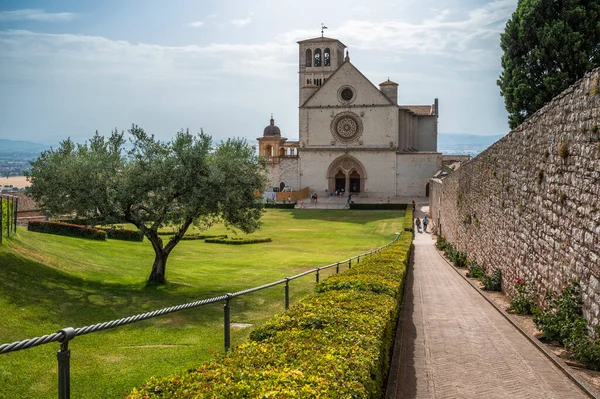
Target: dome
{"points": [[272, 130]]}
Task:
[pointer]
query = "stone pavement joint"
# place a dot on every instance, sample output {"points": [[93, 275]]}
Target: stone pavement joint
{"points": [[451, 343]]}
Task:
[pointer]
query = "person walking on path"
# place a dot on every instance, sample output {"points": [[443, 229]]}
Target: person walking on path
{"points": [[414, 205], [418, 223], [425, 223]]}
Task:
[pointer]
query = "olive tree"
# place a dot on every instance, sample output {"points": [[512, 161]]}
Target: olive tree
{"points": [[152, 184]]}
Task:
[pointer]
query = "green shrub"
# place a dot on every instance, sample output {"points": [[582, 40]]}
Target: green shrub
{"points": [[460, 259], [561, 320], [523, 299], [122, 234], [493, 282], [334, 343], [66, 229], [385, 206], [475, 269], [237, 241], [441, 243]]}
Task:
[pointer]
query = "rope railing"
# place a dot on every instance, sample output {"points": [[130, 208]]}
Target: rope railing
{"points": [[67, 334]]}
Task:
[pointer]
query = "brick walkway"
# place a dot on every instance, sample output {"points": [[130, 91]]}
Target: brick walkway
{"points": [[451, 343]]}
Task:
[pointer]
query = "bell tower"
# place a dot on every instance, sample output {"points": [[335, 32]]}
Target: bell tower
{"points": [[319, 58]]}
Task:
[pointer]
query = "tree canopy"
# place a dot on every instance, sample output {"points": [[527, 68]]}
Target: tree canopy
{"points": [[152, 184], [548, 45]]}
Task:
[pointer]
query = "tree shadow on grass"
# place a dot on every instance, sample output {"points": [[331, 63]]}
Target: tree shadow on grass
{"points": [[66, 300]]}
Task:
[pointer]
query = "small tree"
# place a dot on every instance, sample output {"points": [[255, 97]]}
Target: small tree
{"points": [[154, 184], [548, 45]]}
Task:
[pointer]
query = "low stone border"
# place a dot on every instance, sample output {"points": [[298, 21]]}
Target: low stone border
{"points": [[589, 390]]}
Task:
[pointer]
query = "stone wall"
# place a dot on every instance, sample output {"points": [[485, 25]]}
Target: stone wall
{"points": [[530, 204]]}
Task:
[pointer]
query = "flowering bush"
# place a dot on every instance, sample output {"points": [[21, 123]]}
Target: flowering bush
{"points": [[523, 299], [493, 282]]}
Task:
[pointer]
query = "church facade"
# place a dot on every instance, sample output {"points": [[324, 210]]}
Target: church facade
{"points": [[353, 136]]}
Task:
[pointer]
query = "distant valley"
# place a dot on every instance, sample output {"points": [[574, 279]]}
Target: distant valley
{"points": [[16, 155]]}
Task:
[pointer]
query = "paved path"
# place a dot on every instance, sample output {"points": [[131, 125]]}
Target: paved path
{"points": [[451, 343]]}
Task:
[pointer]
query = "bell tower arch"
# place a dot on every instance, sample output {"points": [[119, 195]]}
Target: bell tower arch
{"points": [[318, 59]]}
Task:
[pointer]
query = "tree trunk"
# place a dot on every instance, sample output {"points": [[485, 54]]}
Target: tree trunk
{"points": [[158, 268]]}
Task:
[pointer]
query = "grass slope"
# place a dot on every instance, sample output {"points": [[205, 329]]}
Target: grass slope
{"points": [[50, 282]]}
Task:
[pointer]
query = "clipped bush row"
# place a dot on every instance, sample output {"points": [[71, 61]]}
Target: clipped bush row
{"points": [[236, 241], [122, 234], [408, 220], [278, 205], [66, 229], [385, 206], [334, 343], [202, 236]]}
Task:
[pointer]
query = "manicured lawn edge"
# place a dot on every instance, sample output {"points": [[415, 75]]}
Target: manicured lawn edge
{"points": [[335, 342]]}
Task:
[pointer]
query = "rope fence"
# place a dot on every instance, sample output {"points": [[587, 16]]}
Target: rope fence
{"points": [[65, 335]]}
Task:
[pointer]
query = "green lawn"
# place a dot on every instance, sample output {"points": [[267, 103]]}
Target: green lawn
{"points": [[50, 282]]}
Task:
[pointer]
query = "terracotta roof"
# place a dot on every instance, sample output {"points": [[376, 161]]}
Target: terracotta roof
{"points": [[388, 83], [419, 109], [321, 39], [26, 204]]}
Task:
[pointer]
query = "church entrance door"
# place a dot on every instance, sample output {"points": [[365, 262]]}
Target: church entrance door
{"points": [[340, 181], [354, 182]]}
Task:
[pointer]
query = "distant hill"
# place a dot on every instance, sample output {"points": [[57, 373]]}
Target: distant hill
{"points": [[467, 144], [21, 146]]}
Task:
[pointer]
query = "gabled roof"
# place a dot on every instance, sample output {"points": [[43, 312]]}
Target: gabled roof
{"points": [[329, 79]]}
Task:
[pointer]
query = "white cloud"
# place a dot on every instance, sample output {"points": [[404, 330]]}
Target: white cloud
{"points": [[471, 38], [35, 15], [196, 24], [240, 23]]}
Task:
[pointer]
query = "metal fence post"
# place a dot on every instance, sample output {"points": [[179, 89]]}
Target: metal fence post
{"points": [[318, 269], [349, 263], [337, 268], [16, 210], [227, 322], [287, 293], [1, 214], [358, 260], [64, 364]]}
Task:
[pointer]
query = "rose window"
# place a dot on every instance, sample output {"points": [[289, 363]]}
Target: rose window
{"points": [[346, 127]]}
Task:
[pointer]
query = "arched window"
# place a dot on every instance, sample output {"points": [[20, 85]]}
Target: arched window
{"points": [[318, 57], [308, 58], [326, 57], [282, 152], [268, 151]]}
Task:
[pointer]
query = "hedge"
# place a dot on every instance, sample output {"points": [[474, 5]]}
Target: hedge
{"points": [[334, 343], [280, 206], [122, 234], [237, 241], [408, 220], [202, 236], [386, 206], [66, 229]]}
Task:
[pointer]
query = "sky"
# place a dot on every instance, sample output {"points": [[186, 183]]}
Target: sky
{"points": [[69, 68]]}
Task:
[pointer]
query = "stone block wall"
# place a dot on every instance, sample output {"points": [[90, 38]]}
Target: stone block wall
{"points": [[530, 203]]}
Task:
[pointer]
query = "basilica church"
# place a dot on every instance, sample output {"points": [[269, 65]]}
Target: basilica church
{"points": [[353, 136]]}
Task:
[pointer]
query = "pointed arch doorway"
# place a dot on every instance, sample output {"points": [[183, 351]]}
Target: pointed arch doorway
{"points": [[347, 173]]}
